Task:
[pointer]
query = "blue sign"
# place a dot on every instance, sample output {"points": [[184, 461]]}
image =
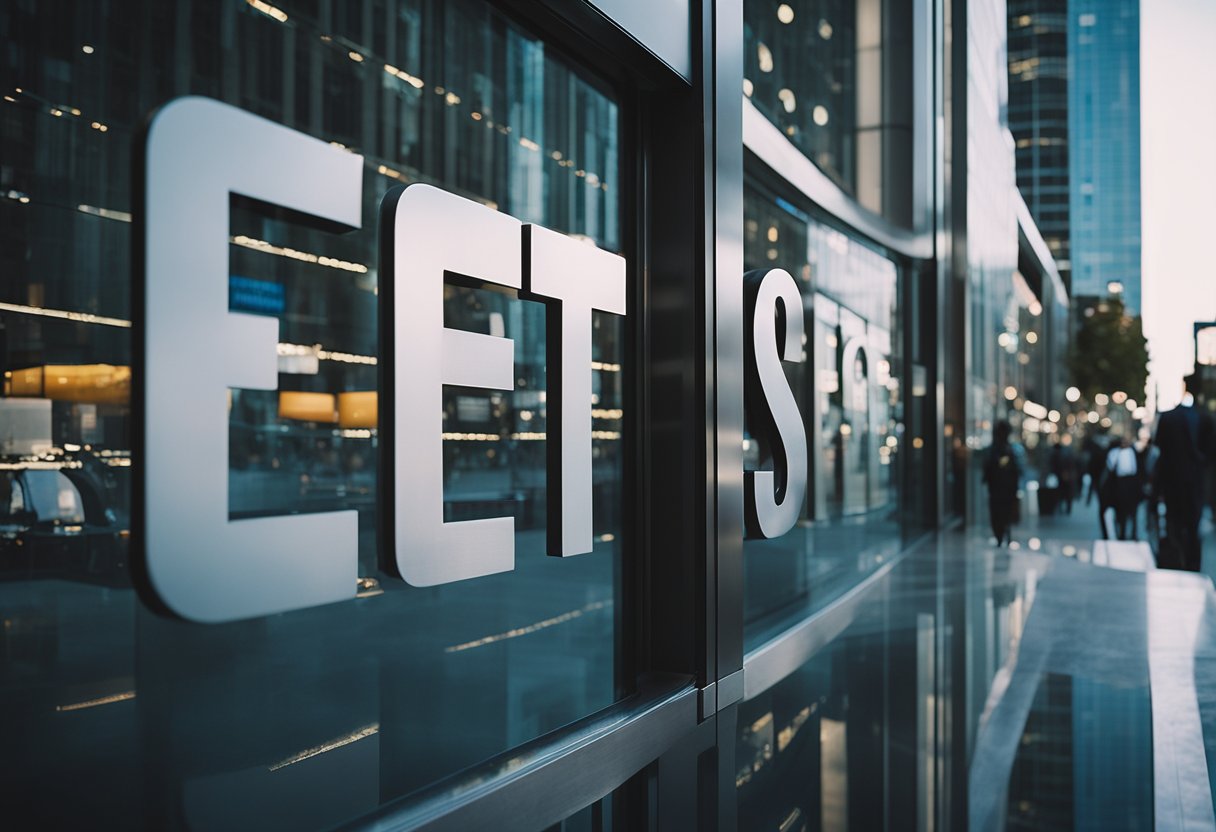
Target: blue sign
{"points": [[261, 297]]}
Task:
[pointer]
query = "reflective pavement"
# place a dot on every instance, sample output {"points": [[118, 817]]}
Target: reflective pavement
{"points": [[1062, 683], [1101, 715]]}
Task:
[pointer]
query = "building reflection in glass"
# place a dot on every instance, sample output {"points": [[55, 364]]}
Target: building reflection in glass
{"points": [[851, 740], [883, 727], [836, 77], [215, 727]]}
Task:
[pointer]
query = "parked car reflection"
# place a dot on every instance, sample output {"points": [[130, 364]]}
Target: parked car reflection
{"points": [[57, 520]]}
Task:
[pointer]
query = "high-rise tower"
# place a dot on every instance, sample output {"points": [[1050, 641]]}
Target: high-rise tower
{"points": [[1104, 135], [1074, 111]]}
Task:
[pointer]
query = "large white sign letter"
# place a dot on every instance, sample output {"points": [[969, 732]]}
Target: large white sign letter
{"points": [[773, 499], [573, 278], [427, 233], [200, 565]]}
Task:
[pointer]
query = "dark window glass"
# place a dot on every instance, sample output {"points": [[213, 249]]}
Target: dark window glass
{"points": [[851, 390], [850, 740], [306, 719], [836, 77]]}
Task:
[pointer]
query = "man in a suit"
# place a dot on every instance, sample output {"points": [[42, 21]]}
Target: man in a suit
{"points": [[1185, 438]]}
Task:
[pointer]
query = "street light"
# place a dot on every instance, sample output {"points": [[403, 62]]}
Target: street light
{"points": [[1072, 394]]}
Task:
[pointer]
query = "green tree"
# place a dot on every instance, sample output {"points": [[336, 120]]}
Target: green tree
{"points": [[1110, 352]]}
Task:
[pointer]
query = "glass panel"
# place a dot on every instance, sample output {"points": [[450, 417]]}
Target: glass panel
{"points": [[836, 77], [877, 729], [849, 391], [850, 739], [801, 65], [307, 719]]}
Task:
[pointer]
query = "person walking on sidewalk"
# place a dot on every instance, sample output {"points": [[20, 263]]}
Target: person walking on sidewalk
{"points": [[1123, 480], [1149, 489], [1003, 474], [1185, 437], [1095, 461], [1062, 464]]}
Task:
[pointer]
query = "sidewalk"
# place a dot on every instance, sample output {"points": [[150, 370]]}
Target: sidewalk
{"points": [[1110, 661], [1073, 535]]}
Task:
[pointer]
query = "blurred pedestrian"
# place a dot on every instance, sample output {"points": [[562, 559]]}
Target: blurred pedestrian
{"points": [[1185, 437], [1003, 474], [1123, 480], [1062, 464], [1095, 464], [1151, 490]]}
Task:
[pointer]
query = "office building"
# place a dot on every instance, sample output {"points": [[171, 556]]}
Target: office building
{"points": [[1104, 140], [224, 321], [1038, 117], [1074, 111]]}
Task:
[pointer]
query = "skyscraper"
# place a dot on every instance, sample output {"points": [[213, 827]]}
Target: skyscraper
{"points": [[1104, 135], [1074, 111], [1038, 117]]}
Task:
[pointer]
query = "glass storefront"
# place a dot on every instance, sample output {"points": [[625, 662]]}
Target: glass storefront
{"points": [[407, 685], [850, 388]]}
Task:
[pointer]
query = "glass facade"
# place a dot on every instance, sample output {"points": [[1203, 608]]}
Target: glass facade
{"points": [[408, 684], [838, 744], [678, 676], [1104, 168], [850, 388], [835, 76], [860, 736], [992, 245]]}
